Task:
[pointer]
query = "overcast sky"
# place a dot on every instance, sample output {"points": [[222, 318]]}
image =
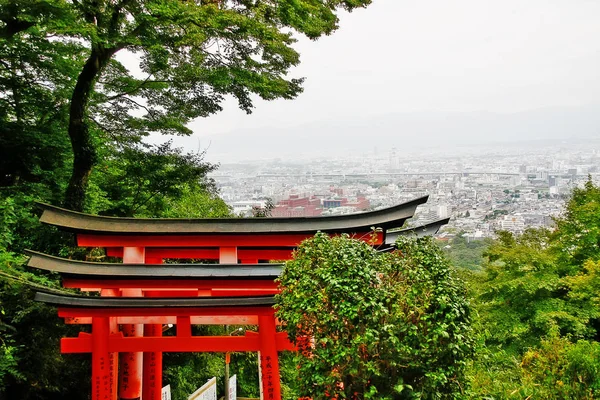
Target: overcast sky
{"points": [[399, 56]]}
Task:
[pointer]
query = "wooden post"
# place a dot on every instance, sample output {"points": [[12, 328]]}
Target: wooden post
{"points": [[152, 385], [131, 371], [228, 255], [269, 361], [113, 357], [101, 389]]}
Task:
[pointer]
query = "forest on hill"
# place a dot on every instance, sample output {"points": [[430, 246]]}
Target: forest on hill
{"points": [[73, 124]]}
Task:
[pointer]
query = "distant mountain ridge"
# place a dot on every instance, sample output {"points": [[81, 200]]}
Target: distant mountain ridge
{"points": [[420, 130]]}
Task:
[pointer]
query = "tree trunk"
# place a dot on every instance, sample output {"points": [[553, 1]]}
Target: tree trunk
{"points": [[84, 152]]}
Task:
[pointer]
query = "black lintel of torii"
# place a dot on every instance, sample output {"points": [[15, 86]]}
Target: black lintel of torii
{"points": [[62, 300], [109, 271], [428, 229], [386, 218]]}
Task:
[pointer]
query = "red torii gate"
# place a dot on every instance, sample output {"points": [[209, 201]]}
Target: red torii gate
{"points": [[142, 294]]}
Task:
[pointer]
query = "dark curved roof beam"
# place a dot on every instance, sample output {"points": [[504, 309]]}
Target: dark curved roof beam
{"points": [[166, 286], [423, 230], [152, 271], [235, 305], [85, 223]]}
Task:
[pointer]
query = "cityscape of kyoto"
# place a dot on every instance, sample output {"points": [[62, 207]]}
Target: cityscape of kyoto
{"points": [[299, 200]]}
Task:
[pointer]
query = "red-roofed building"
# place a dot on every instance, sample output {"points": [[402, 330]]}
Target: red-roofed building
{"points": [[297, 206]]}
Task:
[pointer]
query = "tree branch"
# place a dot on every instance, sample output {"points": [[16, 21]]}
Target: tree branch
{"points": [[13, 27], [132, 91], [149, 111]]}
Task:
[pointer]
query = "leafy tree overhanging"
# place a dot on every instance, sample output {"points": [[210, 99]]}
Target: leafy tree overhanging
{"points": [[193, 54]]}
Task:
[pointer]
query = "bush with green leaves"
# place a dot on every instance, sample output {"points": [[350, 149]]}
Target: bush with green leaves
{"points": [[375, 325], [561, 369]]}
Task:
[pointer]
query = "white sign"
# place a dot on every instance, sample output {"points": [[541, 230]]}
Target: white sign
{"points": [[206, 392], [233, 388], [166, 393]]}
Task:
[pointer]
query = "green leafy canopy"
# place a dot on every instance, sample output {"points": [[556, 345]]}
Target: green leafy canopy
{"points": [[193, 54]]}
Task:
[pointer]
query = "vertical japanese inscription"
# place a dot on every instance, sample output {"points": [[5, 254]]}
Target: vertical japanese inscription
{"points": [[152, 373], [152, 377], [100, 360], [271, 387], [268, 376]]}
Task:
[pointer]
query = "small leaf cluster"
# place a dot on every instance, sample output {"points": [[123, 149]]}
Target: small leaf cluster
{"points": [[375, 325]]}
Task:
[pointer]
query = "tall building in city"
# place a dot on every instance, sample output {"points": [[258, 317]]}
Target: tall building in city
{"points": [[394, 159], [442, 211], [512, 223]]}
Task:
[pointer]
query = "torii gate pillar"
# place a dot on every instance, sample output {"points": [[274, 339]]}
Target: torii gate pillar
{"points": [[269, 360], [131, 364], [101, 373]]}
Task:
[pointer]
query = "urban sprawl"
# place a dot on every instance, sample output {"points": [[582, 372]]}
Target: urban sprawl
{"points": [[481, 190]]}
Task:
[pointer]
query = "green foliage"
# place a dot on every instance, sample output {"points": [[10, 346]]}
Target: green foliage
{"points": [[288, 370], [245, 366], [31, 366], [577, 235], [464, 253], [36, 78], [556, 369], [262, 212], [7, 221], [561, 369], [584, 295], [8, 357], [538, 307], [192, 56], [8, 349], [196, 202], [144, 182], [494, 374], [380, 325], [522, 296]]}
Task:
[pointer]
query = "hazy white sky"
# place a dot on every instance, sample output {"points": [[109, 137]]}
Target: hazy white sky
{"points": [[399, 56]]}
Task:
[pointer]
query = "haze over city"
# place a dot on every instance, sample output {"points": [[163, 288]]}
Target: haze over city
{"points": [[408, 88], [427, 74]]}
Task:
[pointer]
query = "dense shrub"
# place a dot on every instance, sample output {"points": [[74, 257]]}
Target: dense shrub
{"points": [[375, 325]]}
